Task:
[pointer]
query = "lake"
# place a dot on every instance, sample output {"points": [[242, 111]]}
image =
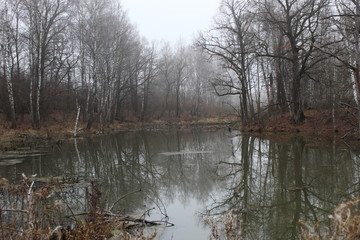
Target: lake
{"points": [[199, 177]]}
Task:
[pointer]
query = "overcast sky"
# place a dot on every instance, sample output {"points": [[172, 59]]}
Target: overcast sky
{"points": [[170, 20]]}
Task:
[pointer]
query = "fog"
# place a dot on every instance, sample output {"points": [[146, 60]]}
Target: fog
{"points": [[164, 20]]}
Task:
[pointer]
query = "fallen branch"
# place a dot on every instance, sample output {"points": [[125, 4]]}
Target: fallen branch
{"points": [[111, 217]]}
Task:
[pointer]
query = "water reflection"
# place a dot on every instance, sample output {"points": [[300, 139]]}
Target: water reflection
{"points": [[269, 185], [272, 185]]}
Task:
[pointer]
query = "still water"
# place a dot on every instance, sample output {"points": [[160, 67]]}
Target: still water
{"points": [[186, 176]]}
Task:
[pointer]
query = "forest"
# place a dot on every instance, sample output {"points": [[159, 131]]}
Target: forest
{"points": [[259, 58]]}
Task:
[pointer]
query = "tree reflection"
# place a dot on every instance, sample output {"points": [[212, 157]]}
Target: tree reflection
{"points": [[267, 186], [272, 185], [131, 161]]}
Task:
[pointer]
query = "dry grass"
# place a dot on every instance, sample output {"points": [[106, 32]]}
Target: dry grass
{"points": [[39, 212], [59, 126], [226, 227], [345, 224], [317, 122]]}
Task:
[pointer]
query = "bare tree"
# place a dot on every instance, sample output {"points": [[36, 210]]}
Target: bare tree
{"points": [[347, 22], [165, 74], [198, 87], [180, 75], [10, 50], [46, 21], [56, 52], [149, 72], [232, 41], [298, 22]]}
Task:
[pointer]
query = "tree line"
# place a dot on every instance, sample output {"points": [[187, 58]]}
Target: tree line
{"points": [[286, 55], [264, 57], [87, 56]]}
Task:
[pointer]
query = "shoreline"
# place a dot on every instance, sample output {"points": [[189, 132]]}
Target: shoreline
{"points": [[318, 125], [13, 139]]}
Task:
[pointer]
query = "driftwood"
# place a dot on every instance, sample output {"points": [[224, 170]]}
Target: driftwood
{"points": [[112, 217]]}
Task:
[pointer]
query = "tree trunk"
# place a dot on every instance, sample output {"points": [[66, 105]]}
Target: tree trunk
{"points": [[297, 111], [281, 98], [244, 103], [297, 114], [77, 120], [177, 101], [145, 101], [356, 77], [37, 113], [31, 102], [356, 71], [92, 101], [9, 84], [12, 103]]}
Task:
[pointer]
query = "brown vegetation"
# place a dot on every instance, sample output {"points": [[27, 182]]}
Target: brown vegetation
{"points": [[228, 226], [59, 126], [317, 123], [345, 224], [40, 209]]}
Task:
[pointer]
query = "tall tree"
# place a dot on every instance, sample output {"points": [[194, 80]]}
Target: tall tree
{"points": [[347, 20], [298, 22], [10, 50], [46, 22], [180, 75], [232, 41], [149, 72], [165, 75]]}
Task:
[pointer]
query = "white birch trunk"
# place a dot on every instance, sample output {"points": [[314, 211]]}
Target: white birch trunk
{"points": [[77, 121], [354, 86], [9, 84], [10, 91]]}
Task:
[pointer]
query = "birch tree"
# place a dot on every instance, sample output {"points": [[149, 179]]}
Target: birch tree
{"points": [[10, 43], [201, 71], [46, 21], [347, 21]]}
